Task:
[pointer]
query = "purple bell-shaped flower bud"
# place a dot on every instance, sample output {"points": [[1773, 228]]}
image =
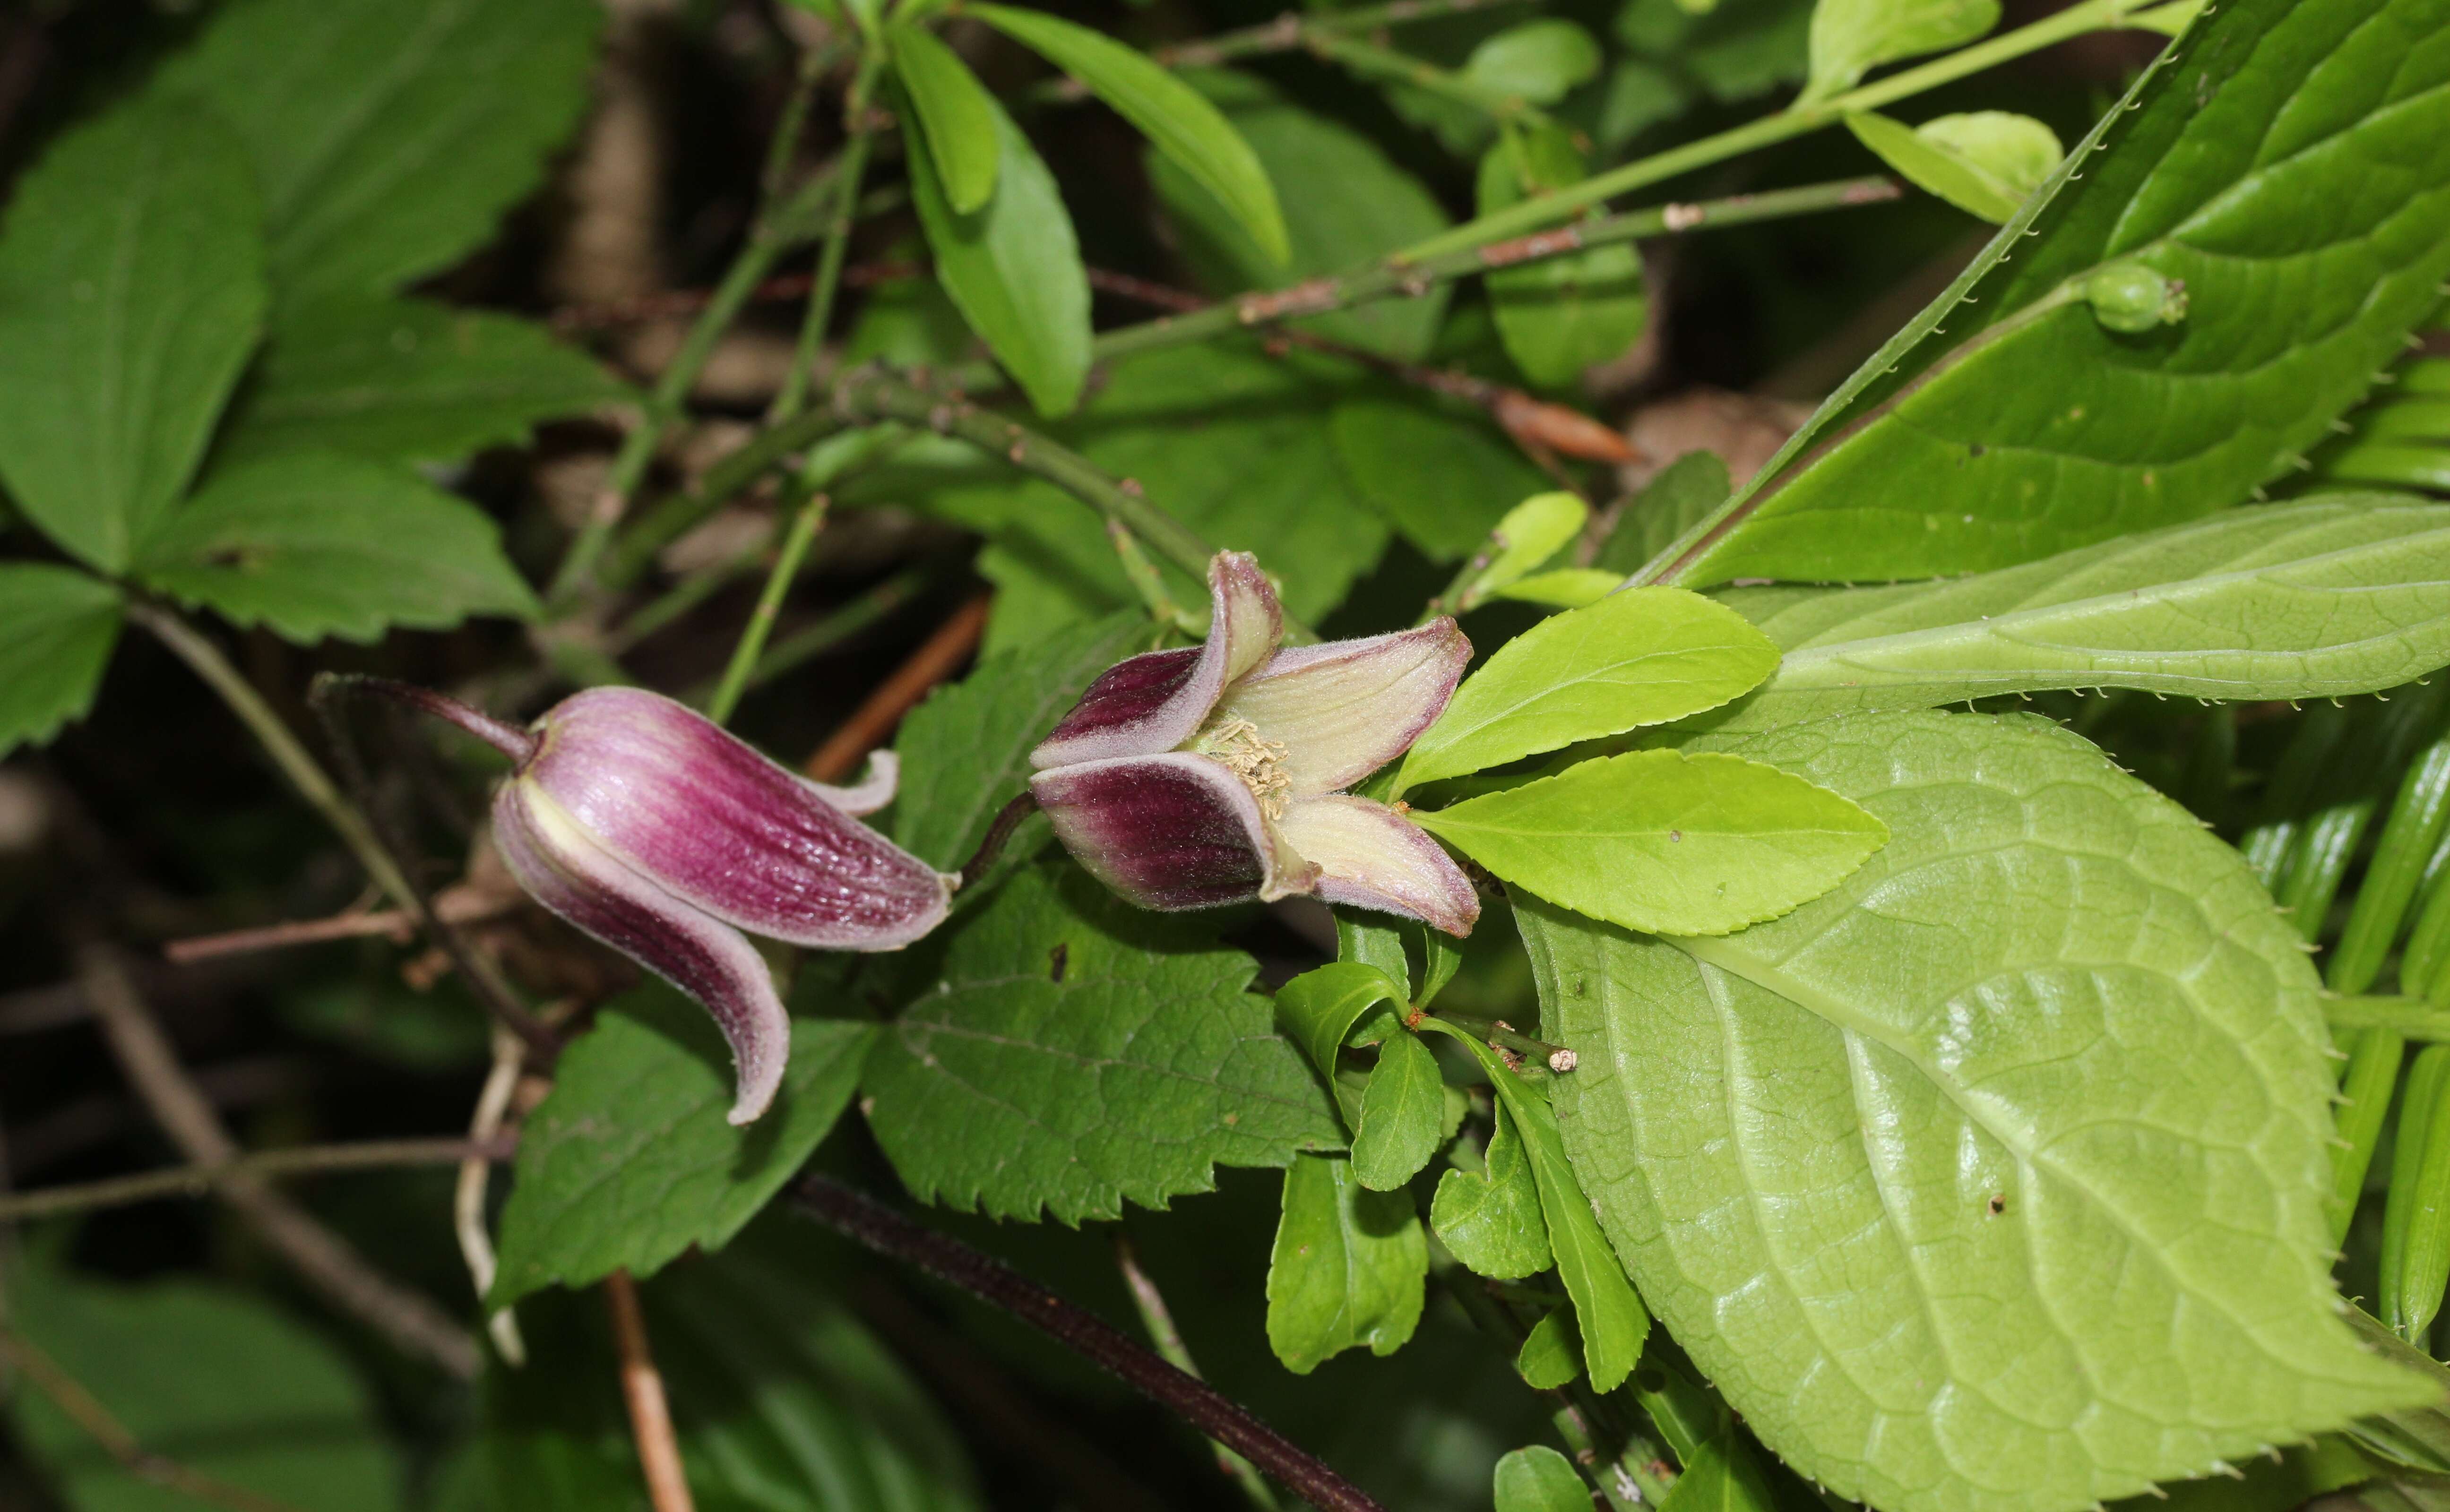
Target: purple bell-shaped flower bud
{"points": [[649, 828], [1211, 775]]}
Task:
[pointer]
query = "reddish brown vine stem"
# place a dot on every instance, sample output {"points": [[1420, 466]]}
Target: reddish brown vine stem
{"points": [[861, 1217]]}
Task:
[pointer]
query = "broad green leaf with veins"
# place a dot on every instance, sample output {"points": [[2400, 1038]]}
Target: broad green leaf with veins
{"points": [[1347, 1268], [1401, 1110], [1490, 1219], [2289, 165], [2342, 594], [1994, 1181], [1068, 1052]]}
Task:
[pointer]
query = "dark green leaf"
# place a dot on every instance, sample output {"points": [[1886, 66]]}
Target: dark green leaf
{"points": [[1181, 123], [1661, 840], [1538, 61], [1344, 202], [2052, 1113], [957, 116], [212, 1377], [1643, 656], [1984, 163], [630, 1159], [1552, 1355], [2335, 595], [2032, 427], [1721, 1477], [1538, 1479], [389, 136], [1734, 49], [1679, 497], [908, 322], [1492, 1221], [57, 626], [1851, 37], [408, 381], [1441, 476], [1401, 1112], [313, 544], [1014, 268], [1559, 316], [1348, 1268], [965, 751], [131, 291], [1071, 1054]]}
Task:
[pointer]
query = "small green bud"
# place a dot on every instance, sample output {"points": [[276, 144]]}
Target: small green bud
{"points": [[2129, 297]]}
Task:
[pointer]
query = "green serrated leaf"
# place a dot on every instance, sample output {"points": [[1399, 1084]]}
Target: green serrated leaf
{"points": [[1180, 123], [1492, 1221], [2053, 1114], [629, 1159], [131, 291], [1661, 840], [1538, 61], [1643, 656], [2332, 596], [1014, 268], [389, 136], [1721, 1477], [1071, 1054], [1560, 316], [957, 116], [1350, 1266], [2028, 426], [57, 628], [1538, 1479], [312, 544], [1401, 1114], [408, 381], [229, 1385], [1552, 1355], [965, 751], [1851, 37], [1985, 163]]}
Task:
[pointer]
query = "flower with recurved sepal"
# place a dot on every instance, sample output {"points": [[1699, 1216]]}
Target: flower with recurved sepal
{"points": [[1218, 773]]}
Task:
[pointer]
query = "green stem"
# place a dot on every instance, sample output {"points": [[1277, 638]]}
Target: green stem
{"points": [[838, 627], [769, 603], [859, 130], [197, 1180], [673, 518], [1158, 1320], [287, 752], [2409, 1017]]}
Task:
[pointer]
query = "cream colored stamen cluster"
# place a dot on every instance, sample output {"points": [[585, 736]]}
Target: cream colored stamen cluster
{"points": [[1236, 743]]}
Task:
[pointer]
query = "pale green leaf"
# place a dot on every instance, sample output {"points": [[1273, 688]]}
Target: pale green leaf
{"points": [[313, 544], [1014, 268], [1558, 315], [1526, 538], [1720, 1477], [1177, 118], [1538, 1479], [1985, 164], [408, 381], [1662, 840], [1552, 1355], [389, 136], [1538, 61], [630, 1159], [220, 1381], [57, 626], [2042, 1093], [1851, 37], [1348, 1268], [1492, 1220], [1401, 1110], [131, 291], [1068, 1054], [1566, 588], [2339, 594], [1643, 656], [957, 116]]}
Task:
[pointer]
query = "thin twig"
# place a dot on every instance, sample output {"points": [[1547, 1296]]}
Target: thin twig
{"points": [[858, 129], [99, 1424], [198, 1180], [468, 1192], [642, 1389], [324, 1258], [839, 625], [770, 604], [1000, 830], [386, 924], [887, 1232], [1372, 61], [1159, 1319], [873, 721], [1286, 33]]}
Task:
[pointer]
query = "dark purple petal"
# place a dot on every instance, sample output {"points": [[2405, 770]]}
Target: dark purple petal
{"points": [[1344, 709], [712, 961], [1171, 831], [668, 793], [1153, 703], [1371, 857]]}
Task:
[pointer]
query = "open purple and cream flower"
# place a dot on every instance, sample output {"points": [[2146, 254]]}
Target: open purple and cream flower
{"points": [[648, 826], [1215, 774]]}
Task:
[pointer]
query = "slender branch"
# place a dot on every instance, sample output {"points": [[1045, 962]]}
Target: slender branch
{"points": [[327, 1262], [843, 622], [887, 1232], [1000, 830], [761, 619], [199, 1179], [873, 721], [1502, 1036], [455, 905], [99, 1424], [1371, 60], [1158, 1320], [642, 1388], [677, 515], [859, 127], [468, 1192]]}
